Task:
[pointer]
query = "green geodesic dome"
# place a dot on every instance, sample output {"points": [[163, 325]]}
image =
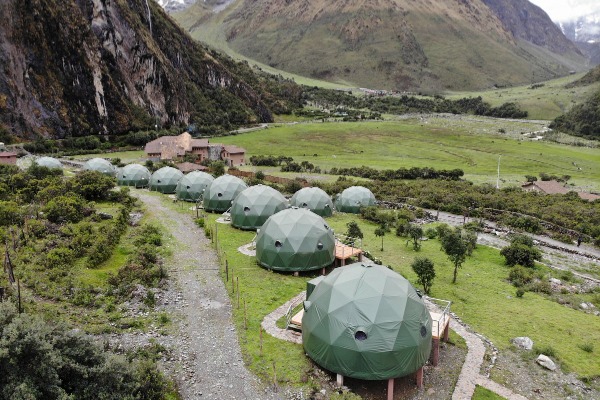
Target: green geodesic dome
{"points": [[353, 198], [100, 165], [221, 192], [165, 180], [366, 322], [252, 207], [49, 162], [315, 199], [295, 239], [192, 185], [135, 175]]}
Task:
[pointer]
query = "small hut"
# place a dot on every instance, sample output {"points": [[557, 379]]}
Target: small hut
{"points": [[353, 198], [135, 175], [100, 165], [252, 207], [315, 199], [294, 240], [192, 186], [221, 192], [367, 322], [165, 180]]}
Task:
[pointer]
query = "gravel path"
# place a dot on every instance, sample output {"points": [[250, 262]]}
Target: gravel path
{"points": [[206, 341]]}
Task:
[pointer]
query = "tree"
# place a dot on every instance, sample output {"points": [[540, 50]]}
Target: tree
{"points": [[520, 254], [425, 271], [217, 168], [65, 209], [456, 249], [93, 185], [380, 232], [530, 178], [354, 230], [259, 175], [415, 233]]}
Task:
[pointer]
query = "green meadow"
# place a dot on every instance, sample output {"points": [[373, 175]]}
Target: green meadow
{"points": [[413, 143], [482, 297]]}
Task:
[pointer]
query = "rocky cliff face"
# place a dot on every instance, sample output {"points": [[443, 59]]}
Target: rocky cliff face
{"points": [[77, 67], [528, 22], [585, 33]]}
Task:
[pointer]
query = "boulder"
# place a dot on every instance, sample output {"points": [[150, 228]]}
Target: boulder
{"points": [[555, 281], [523, 342], [546, 362]]}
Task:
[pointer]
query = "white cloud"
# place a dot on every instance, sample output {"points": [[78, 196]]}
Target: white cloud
{"points": [[566, 10]]}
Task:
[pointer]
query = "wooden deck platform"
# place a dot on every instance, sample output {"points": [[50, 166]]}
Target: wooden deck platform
{"points": [[440, 322], [296, 321], [343, 252]]}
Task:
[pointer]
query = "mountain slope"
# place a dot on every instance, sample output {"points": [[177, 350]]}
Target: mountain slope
{"points": [[585, 33], [388, 44], [76, 67]]}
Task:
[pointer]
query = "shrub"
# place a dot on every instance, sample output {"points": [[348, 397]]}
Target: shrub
{"points": [[541, 287], [520, 292], [430, 233], [521, 255], [69, 208], [520, 276], [259, 175], [545, 350], [587, 347], [425, 271]]}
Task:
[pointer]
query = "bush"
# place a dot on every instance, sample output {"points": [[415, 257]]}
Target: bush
{"points": [[68, 208], [520, 276], [430, 233], [425, 271], [519, 254], [40, 360]]}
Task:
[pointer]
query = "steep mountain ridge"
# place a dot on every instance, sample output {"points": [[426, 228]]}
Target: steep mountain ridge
{"points": [[585, 33], [77, 67], [388, 44]]}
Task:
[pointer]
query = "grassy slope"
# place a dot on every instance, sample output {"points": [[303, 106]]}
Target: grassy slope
{"points": [[544, 103], [211, 34], [413, 144]]}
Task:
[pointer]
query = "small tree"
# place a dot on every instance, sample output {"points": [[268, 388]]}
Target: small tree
{"points": [[354, 230], [530, 178], [259, 175], [456, 249], [217, 168], [425, 271], [380, 232], [415, 232]]}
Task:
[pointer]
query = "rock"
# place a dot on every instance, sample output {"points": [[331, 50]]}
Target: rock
{"points": [[584, 306], [555, 281], [523, 342], [546, 362]]}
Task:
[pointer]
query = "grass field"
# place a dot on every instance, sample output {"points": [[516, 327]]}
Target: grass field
{"points": [[546, 102], [469, 145]]}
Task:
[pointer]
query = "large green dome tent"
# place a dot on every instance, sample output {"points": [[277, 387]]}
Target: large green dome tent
{"points": [[192, 185], [252, 207], [49, 162], [165, 180], [315, 199], [295, 239], [100, 165], [221, 192], [353, 198], [366, 322], [135, 175]]}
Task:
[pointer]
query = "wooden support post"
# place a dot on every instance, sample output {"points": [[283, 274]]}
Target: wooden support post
{"points": [[343, 262], [260, 335], [296, 273], [323, 271], [237, 281], [232, 283], [435, 351], [447, 332], [226, 271], [360, 256], [419, 376], [390, 393], [339, 380]]}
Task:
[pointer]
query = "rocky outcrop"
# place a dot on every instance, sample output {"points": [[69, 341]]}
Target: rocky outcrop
{"points": [[77, 67]]}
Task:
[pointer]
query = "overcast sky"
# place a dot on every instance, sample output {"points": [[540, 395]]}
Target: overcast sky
{"points": [[565, 10]]}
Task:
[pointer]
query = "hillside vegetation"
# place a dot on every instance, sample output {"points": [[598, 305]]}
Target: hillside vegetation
{"points": [[389, 44]]}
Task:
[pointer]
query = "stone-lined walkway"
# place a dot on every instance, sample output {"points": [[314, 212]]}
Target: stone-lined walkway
{"points": [[470, 375], [269, 323]]}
